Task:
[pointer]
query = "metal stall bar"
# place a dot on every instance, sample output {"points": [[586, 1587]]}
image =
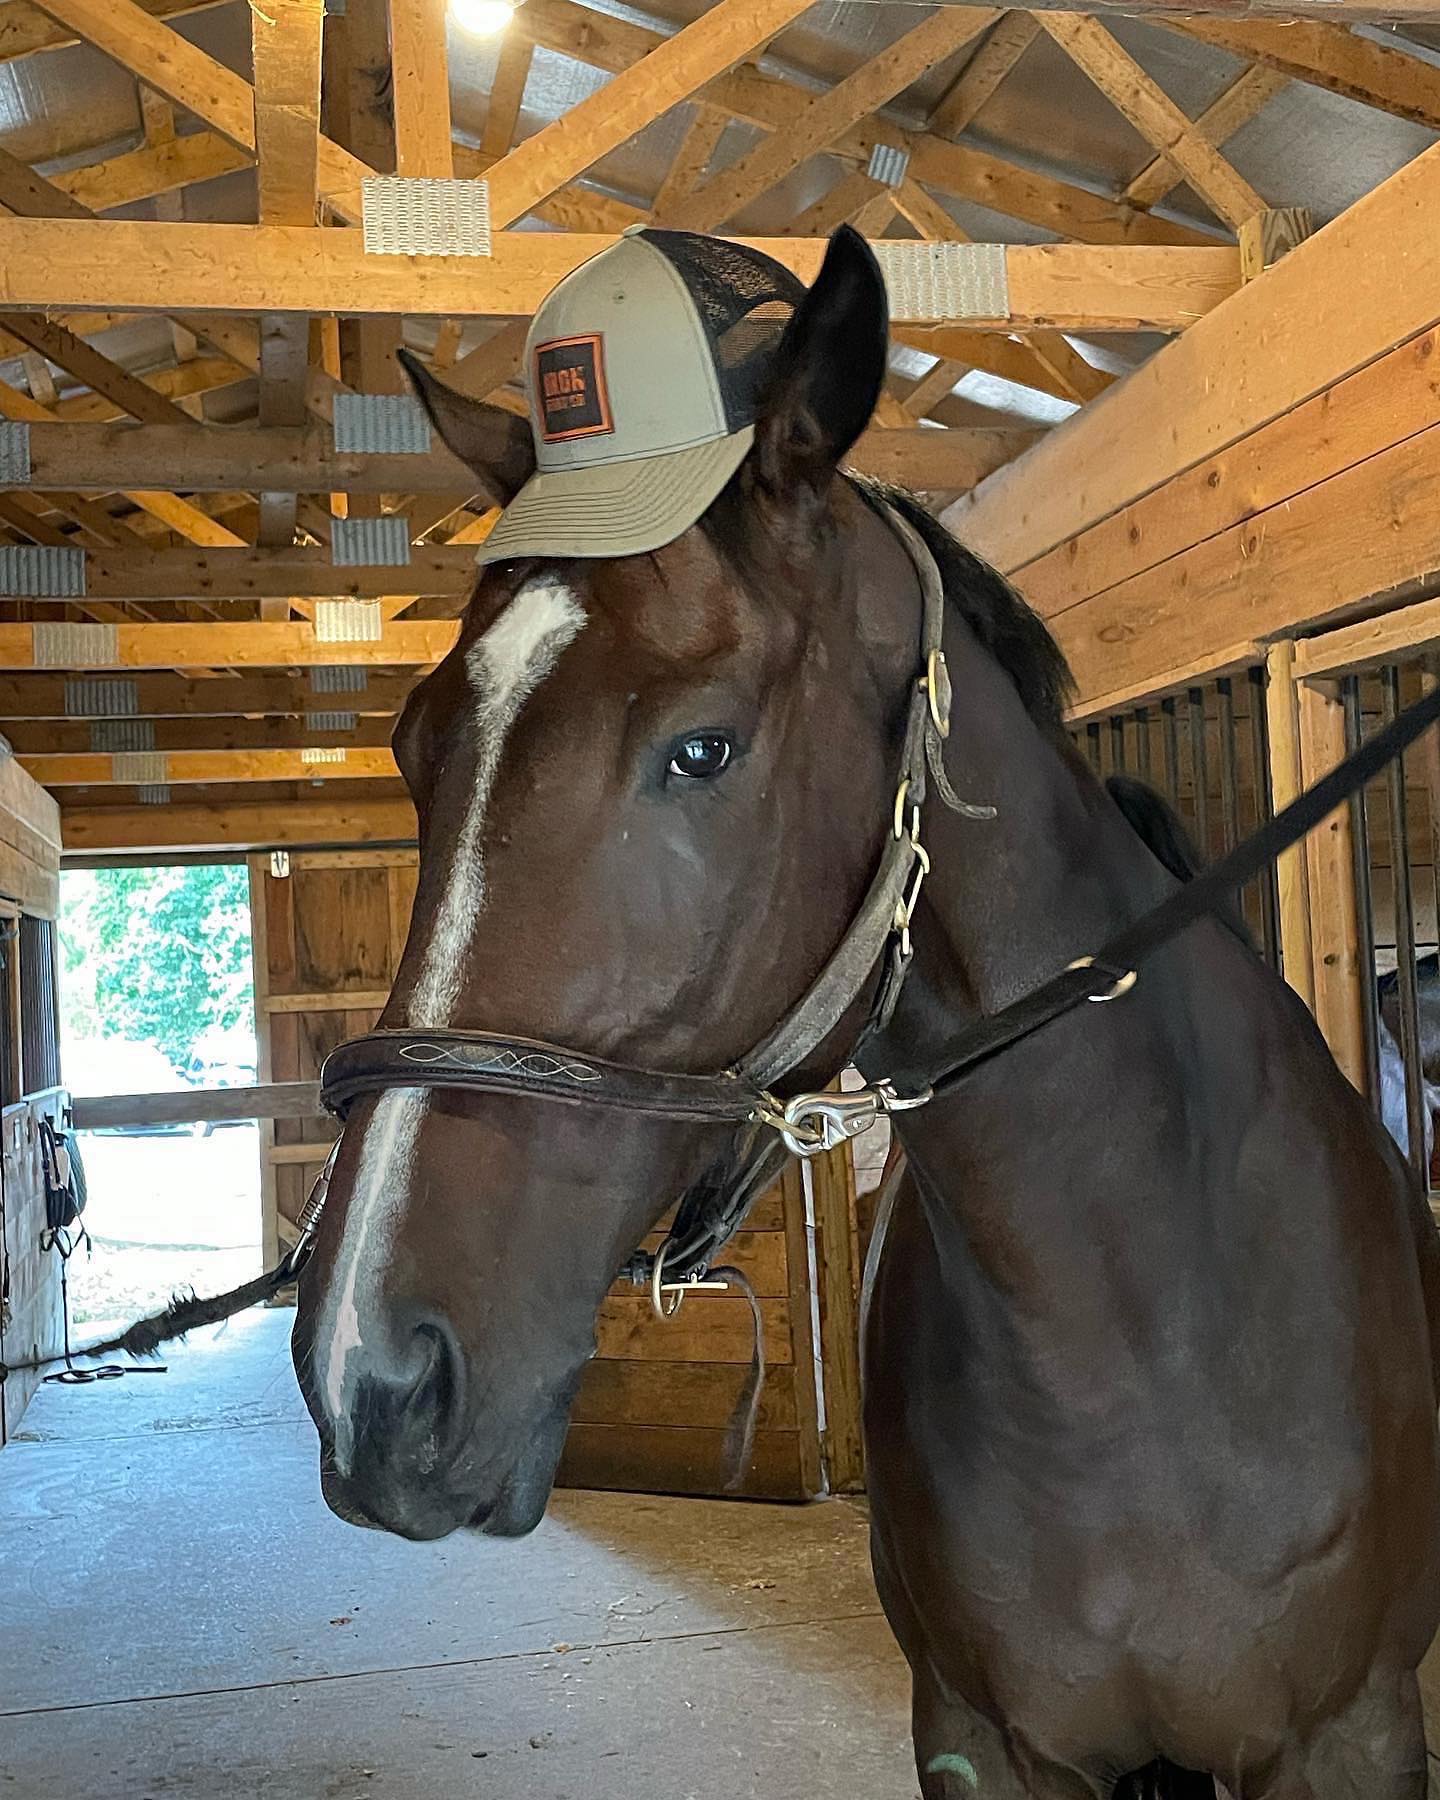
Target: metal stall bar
{"points": [[1360, 856], [1170, 750], [1199, 769], [1407, 989], [1142, 743], [1117, 744], [1092, 748]]}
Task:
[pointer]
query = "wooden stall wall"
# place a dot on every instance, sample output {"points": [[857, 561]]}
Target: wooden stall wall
{"points": [[30, 1317], [653, 1409]]}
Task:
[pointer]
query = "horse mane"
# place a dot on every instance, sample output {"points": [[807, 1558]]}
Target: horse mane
{"points": [[1162, 831], [1014, 635]]}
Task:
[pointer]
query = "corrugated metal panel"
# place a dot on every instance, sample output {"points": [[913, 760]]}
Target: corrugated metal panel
{"points": [[945, 281], [146, 768], [381, 425], [364, 541], [331, 721], [14, 454], [42, 571], [339, 678], [424, 216], [156, 795], [122, 734], [102, 697], [888, 163], [39, 1021], [326, 753], [66, 646], [348, 621]]}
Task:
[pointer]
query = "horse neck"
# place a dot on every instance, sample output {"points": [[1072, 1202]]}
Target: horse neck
{"points": [[1010, 902]]}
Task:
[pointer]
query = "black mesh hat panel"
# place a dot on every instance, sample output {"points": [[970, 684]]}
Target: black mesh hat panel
{"points": [[744, 300]]}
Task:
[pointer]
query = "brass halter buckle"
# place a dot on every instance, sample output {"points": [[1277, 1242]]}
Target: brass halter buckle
{"points": [[692, 1284]]}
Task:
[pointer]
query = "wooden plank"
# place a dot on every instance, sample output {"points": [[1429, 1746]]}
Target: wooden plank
{"points": [[27, 804], [1390, 400], [983, 74], [1328, 56], [1287, 782], [677, 66], [421, 89], [255, 645], [1242, 101], [194, 1106], [1334, 912], [185, 75], [1357, 289], [35, 1325], [694, 1396], [825, 116], [687, 168], [507, 94], [667, 1460], [182, 767], [1269, 235], [837, 1272], [243, 573], [203, 268], [159, 696], [187, 457], [1296, 566], [152, 170], [1154, 114], [341, 1000], [1391, 637], [50, 738], [24, 29], [285, 42], [708, 1328], [240, 825]]}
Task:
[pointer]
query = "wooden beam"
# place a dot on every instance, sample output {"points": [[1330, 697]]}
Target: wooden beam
{"points": [[673, 70], [1334, 910], [285, 48], [1241, 101], [152, 170], [1270, 235], [197, 1106], [770, 101], [342, 817], [688, 166], [1392, 399], [291, 645], [243, 573], [179, 767], [507, 94], [421, 92], [196, 268], [1366, 283], [826, 116], [184, 73], [1328, 56], [50, 697], [24, 29], [1287, 783], [54, 737], [1154, 114], [983, 74], [1397, 636], [209, 458]]}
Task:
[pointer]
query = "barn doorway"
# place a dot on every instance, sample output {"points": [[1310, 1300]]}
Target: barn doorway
{"points": [[157, 994]]}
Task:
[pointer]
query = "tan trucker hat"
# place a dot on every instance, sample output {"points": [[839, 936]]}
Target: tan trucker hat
{"points": [[643, 369]]}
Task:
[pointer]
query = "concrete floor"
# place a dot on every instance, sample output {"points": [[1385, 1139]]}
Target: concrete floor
{"points": [[180, 1619]]}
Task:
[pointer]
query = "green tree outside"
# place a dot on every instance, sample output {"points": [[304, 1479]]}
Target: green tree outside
{"points": [[158, 955]]}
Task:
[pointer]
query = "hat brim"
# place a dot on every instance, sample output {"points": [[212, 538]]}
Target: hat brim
{"points": [[618, 508]]}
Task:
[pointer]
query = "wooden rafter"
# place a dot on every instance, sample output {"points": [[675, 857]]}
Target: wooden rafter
{"points": [[983, 74], [182, 767], [172, 696], [1154, 114], [255, 645], [1246, 96], [507, 94], [155, 268]]}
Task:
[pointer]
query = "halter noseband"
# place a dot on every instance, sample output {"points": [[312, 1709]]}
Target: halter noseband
{"points": [[808, 1123]]}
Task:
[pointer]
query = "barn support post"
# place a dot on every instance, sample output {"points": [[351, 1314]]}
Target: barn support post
{"points": [[1339, 1002], [1286, 781]]}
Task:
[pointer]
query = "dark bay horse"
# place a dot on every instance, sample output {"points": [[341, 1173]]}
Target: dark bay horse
{"points": [[1150, 1347]]}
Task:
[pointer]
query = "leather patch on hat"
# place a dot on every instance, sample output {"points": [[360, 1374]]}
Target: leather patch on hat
{"points": [[571, 397]]}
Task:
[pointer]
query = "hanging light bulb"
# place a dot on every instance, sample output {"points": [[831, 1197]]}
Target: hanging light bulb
{"points": [[483, 18]]}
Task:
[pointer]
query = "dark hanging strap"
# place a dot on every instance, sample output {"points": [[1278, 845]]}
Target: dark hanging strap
{"points": [[1098, 976]]}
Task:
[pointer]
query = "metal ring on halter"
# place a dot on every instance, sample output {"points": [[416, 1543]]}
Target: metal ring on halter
{"points": [[937, 691], [657, 1287], [1123, 983], [898, 823]]}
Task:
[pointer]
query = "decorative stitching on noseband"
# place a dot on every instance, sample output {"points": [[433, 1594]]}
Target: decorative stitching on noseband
{"points": [[502, 1062]]}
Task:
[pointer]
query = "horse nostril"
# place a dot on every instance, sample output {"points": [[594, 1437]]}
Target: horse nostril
{"points": [[437, 1392]]}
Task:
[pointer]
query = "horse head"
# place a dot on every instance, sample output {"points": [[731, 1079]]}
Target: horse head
{"points": [[648, 789]]}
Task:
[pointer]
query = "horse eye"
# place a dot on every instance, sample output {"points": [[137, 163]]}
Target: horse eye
{"points": [[701, 755]]}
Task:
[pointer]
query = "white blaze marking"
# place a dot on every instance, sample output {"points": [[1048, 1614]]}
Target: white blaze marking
{"points": [[505, 667]]}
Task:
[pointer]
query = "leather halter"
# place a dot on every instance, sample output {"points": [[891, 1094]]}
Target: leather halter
{"points": [[741, 1096]]}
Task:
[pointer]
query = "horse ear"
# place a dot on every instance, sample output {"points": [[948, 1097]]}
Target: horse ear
{"points": [[829, 369], [494, 444]]}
